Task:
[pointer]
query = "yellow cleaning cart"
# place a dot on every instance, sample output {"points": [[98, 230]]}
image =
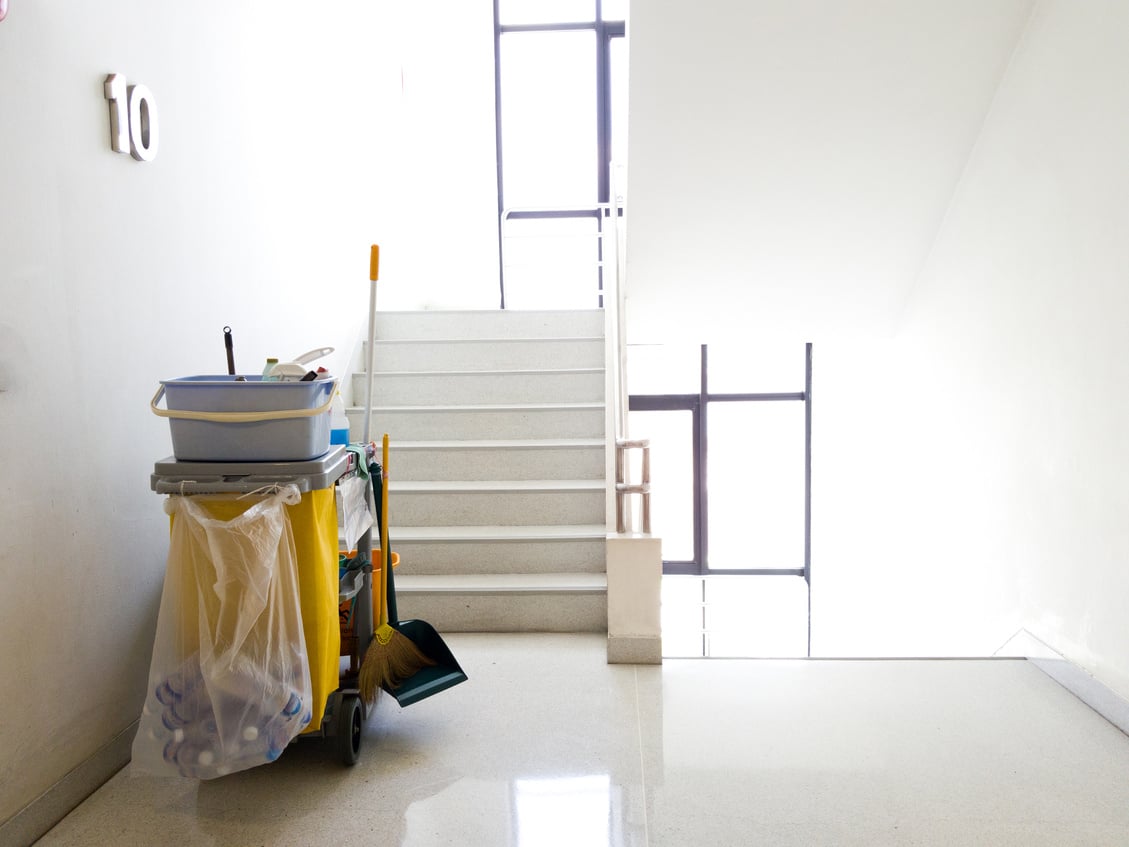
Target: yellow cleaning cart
{"points": [[251, 686]]}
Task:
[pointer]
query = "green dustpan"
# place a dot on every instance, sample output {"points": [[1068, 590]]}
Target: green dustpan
{"points": [[446, 671], [431, 680]]}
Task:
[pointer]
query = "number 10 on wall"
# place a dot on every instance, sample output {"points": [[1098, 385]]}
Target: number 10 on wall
{"points": [[133, 118]]}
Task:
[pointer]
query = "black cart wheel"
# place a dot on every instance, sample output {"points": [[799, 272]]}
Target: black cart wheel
{"points": [[350, 721]]}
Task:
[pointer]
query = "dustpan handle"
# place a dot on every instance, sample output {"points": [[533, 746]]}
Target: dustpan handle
{"points": [[385, 554], [385, 595]]}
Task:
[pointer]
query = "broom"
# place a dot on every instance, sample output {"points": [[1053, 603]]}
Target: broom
{"points": [[392, 657]]}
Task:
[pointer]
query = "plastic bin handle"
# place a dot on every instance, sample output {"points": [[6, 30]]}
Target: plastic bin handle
{"points": [[240, 417]]}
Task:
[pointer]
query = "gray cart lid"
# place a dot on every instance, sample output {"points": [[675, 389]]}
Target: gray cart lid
{"points": [[178, 477]]}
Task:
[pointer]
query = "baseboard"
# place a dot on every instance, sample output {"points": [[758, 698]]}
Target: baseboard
{"points": [[1070, 676], [54, 804], [640, 650]]}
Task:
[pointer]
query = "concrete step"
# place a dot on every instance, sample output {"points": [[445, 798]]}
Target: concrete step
{"points": [[564, 602], [560, 458], [498, 466], [434, 550], [490, 323], [437, 354], [449, 388], [494, 421], [491, 502]]}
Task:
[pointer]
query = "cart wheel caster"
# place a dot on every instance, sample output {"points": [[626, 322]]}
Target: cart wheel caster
{"points": [[350, 721]]}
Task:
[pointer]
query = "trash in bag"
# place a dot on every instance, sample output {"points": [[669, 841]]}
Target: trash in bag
{"points": [[229, 682]]}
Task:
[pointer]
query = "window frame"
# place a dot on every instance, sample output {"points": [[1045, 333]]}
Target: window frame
{"points": [[605, 32], [699, 405]]}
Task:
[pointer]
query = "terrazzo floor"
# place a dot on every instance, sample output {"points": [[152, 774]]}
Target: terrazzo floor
{"points": [[547, 744]]}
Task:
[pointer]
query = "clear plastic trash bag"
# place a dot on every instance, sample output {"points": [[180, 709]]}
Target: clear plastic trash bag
{"points": [[229, 682]]}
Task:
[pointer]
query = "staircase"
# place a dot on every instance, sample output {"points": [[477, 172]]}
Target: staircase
{"points": [[497, 467]]}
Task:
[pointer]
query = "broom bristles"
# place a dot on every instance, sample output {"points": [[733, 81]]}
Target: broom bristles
{"points": [[391, 658]]}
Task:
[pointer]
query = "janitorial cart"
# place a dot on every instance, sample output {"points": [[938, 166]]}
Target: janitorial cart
{"points": [[267, 630]]}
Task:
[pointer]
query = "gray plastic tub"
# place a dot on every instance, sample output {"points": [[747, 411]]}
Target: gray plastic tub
{"points": [[219, 419]]}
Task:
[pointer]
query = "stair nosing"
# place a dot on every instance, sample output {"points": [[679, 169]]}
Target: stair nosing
{"points": [[501, 444], [489, 407], [551, 583], [432, 372], [495, 486], [495, 533], [520, 339]]}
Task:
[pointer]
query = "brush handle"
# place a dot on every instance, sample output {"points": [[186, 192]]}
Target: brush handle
{"points": [[227, 343]]}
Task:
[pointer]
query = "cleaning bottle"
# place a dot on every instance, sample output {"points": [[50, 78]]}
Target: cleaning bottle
{"points": [[268, 375], [338, 423]]}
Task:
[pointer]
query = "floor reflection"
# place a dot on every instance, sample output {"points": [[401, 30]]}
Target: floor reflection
{"points": [[527, 812], [565, 811]]}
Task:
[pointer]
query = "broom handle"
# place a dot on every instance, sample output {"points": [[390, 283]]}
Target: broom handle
{"points": [[385, 556], [373, 273]]}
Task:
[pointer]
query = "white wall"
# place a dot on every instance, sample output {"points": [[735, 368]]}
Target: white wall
{"points": [[257, 213], [1009, 421], [790, 160], [969, 453]]}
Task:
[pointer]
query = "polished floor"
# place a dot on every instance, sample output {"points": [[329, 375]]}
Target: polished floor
{"points": [[548, 745]]}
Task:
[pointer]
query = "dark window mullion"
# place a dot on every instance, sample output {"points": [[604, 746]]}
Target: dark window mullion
{"points": [[662, 402], [552, 213], [603, 112], [756, 398], [498, 153], [807, 481], [578, 26], [603, 138], [699, 468], [701, 520]]}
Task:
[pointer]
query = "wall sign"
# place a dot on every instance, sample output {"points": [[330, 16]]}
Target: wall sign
{"points": [[133, 118]]}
